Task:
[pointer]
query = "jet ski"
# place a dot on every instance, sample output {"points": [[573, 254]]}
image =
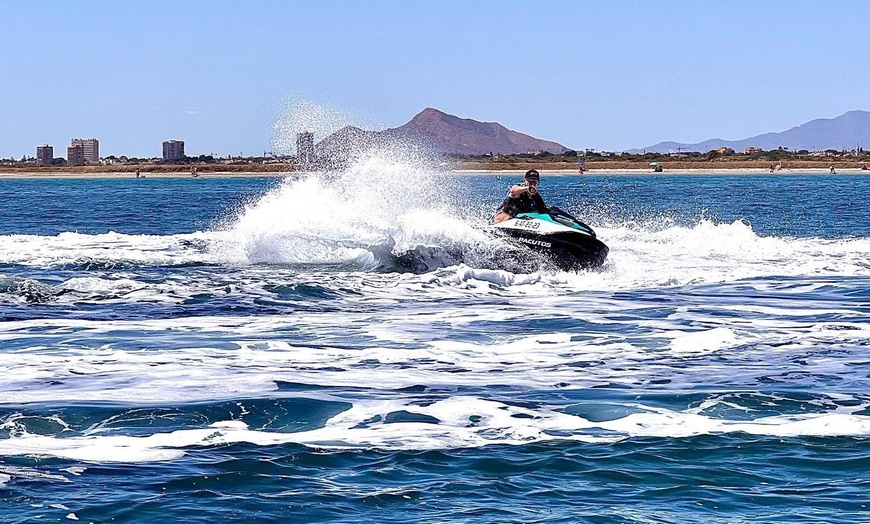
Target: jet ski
{"points": [[554, 237]]}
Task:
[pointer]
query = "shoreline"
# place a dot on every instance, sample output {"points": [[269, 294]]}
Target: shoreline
{"points": [[17, 174], [58, 175], [666, 172]]}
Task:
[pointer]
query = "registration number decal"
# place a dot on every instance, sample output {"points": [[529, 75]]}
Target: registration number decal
{"points": [[528, 224]]}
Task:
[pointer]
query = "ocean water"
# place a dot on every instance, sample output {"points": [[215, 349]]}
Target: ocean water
{"points": [[344, 347]]}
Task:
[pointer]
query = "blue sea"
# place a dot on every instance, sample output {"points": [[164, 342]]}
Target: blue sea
{"points": [[346, 347]]}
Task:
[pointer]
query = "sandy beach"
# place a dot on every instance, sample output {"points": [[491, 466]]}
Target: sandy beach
{"points": [[19, 174], [466, 168]]}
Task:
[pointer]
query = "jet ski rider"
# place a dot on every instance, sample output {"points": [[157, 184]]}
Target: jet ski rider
{"points": [[522, 199]]}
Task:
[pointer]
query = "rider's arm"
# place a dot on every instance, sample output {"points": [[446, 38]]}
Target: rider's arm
{"points": [[517, 190], [506, 210], [501, 216]]}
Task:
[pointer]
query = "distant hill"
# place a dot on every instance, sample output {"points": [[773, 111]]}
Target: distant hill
{"points": [[347, 142], [442, 133], [843, 132]]}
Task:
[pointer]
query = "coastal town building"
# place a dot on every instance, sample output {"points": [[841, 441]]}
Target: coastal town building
{"points": [[725, 151], [75, 155], [90, 149], [44, 155], [305, 148], [173, 150], [752, 150]]}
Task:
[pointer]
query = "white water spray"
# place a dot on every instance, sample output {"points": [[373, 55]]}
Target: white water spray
{"points": [[387, 199]]}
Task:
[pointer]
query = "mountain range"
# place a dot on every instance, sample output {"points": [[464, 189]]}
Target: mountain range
{"points": [[843, 132], [444, 133], [440, 133]]}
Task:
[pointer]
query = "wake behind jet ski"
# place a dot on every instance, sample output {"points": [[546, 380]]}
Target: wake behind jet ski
{"points": [[546, 234]]}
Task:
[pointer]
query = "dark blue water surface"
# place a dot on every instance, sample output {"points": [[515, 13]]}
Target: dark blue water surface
{"points": [[800, 205], [237, 349], [149, 206]]}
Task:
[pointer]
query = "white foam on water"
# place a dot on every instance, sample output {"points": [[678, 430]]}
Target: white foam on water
{"points": [[186, 359], [680, 424], [97, 285], [78, 248], [644, 257], [465, 275], [704, 341], [25, 473], [227, 356], [451, 423]]}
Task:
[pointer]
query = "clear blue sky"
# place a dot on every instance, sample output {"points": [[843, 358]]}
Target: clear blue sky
{"points": [[609, 75]]}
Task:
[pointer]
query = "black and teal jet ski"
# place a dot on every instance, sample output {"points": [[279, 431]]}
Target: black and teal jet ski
{"points": [[554, 237]]}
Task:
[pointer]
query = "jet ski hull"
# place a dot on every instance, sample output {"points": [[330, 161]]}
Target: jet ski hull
{"points": [[567, 251], [555, 238]]}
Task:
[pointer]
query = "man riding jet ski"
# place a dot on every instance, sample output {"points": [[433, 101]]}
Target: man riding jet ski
{"points": [[522, 199], [550, 233]]}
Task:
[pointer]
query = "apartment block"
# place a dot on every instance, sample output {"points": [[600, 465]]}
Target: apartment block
{"points": [[75, 155], [44, 155], [90, 148], [173, 150]]}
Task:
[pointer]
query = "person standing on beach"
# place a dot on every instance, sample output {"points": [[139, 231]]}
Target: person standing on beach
{"points": [[522, 199]]}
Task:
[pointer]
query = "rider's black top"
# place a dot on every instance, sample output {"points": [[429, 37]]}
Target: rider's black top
{"points": [[524, 203]]}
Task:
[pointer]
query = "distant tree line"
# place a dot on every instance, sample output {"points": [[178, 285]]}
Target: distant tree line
{"points": [[773, 155]]}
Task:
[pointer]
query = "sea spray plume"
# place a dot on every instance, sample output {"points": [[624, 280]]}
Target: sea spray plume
{"points": [[375, 212], [299, 115], [373, 200]]}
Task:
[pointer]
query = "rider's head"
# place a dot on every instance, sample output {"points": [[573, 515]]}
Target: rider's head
{"points": [[533, 178]]}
